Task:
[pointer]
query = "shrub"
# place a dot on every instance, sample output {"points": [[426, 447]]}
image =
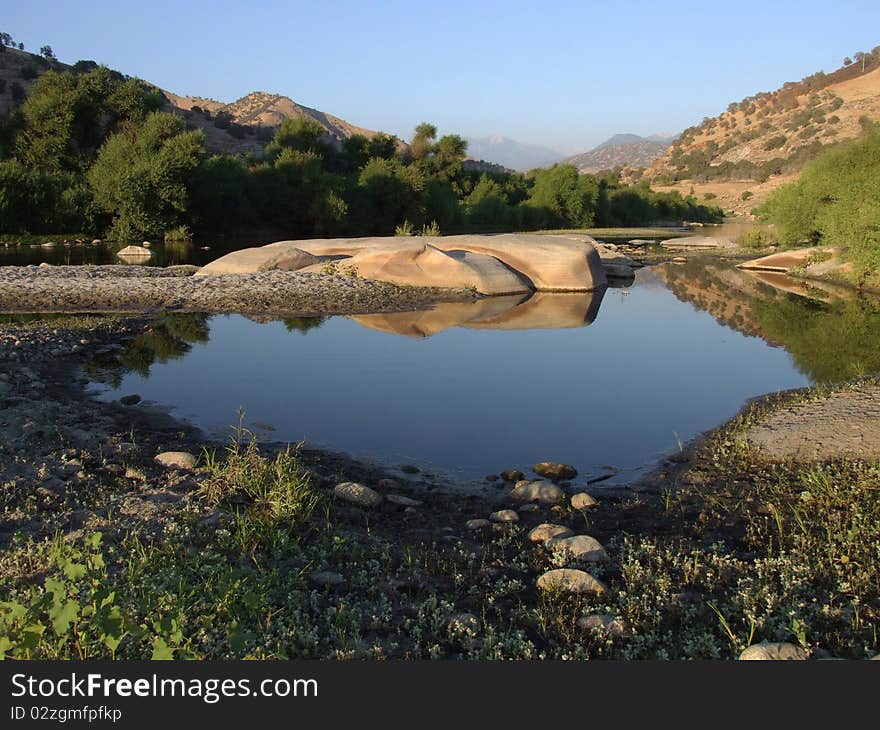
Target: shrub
{"points": [[404, 229], [432, 229], [837, 200], [180, 233], [754, 238]]}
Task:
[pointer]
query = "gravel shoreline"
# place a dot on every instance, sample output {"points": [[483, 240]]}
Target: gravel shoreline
{"points": [[141, 288]]}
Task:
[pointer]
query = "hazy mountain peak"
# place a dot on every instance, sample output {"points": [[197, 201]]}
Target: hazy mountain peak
{"points": [[621, 150], [509, 153]]}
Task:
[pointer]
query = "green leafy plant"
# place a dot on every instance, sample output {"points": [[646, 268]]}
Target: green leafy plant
{"points": [[73, 615]]}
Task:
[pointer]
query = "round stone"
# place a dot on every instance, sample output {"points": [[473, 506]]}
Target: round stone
{"points": [[477, 524], [773, 651], [546, 531], [571, 581], [358, 494], [176, 459], [536, 491], [578, 547], [582, 500], [504, 515], [555, 471], [603, 622]]}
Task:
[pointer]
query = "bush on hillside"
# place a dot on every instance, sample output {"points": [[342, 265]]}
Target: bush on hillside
{"points": [[836, 201]]}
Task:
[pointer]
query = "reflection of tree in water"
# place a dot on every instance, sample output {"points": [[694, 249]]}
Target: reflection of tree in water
{"points": [[829, 342], [302, 324], [167, 338]]}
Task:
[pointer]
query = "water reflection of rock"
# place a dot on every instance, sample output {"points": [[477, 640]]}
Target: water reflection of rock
{"points": [[821, 290], [541, 310]]}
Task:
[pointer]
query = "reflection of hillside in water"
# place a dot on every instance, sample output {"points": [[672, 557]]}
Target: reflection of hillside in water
{"points": [[831, 332], [541, 310]]}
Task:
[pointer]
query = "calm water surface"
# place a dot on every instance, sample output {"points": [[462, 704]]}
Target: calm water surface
{"points": [[596, 380]]}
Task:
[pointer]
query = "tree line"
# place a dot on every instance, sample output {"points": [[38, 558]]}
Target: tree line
{"points": [[93, 151]]}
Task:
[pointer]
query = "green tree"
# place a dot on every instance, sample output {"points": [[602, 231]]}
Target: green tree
{"points": [[383, 146], [388, 193], [141, 174], [566, 197], [301, 134], [67, 117], [487, 205], [422, 143], [836, 200]]}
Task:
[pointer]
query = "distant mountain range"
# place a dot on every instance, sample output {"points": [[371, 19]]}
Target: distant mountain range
{"points": [[622, 150], [618, 151], [510, 153]]}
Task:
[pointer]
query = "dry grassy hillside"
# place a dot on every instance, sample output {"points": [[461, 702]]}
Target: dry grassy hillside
{"points": [[640, 153], [18, 71], [766, 139]]}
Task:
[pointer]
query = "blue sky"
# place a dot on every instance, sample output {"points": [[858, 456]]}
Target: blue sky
{"points": [[551, 73]]}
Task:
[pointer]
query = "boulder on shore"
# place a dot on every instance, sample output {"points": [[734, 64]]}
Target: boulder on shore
{"points": [[492, 264], [555, 471], [358, 494], [536, 491], [134, 253]]}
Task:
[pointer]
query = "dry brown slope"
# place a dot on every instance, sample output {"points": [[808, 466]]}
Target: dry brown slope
{"points": [[631, 154], [778, 129]]}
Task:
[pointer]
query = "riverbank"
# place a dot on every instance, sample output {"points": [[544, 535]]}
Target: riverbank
{"points": [[261, 554], [116, 288]]}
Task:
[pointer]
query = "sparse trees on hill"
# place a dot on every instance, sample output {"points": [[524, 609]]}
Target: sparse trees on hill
{"points": [[47, 53]]}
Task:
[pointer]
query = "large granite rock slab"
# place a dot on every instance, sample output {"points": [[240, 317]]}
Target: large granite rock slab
{"points": [[427, 265], [492, 264]]}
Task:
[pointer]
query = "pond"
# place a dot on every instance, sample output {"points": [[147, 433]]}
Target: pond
{"points": [[607, 382]]}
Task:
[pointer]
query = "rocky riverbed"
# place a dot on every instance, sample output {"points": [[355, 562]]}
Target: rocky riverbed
{"points": [[219, 550]]}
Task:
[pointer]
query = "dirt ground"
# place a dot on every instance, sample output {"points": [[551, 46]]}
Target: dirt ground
{"points": [[846, 423]]}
